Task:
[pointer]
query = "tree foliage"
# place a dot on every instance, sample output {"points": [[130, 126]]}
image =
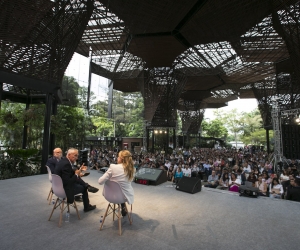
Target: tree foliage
{"points": [[214, 128]]}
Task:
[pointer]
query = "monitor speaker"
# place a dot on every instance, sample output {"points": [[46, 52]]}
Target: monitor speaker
{"points": [[151, 176], [189, 185]]}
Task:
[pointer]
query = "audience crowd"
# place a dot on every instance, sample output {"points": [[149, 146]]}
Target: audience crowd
{"points": [[221, 168]]}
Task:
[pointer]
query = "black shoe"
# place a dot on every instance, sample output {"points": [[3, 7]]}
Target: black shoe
{"points": [[90, 208], [123, 212], [85, 174], [92, 189], [78, 198]]}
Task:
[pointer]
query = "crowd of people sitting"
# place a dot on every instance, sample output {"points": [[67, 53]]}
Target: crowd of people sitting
{"points": [[221, 168]]}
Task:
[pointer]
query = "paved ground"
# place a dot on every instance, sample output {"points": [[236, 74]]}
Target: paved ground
{"points": [[163, 218]]}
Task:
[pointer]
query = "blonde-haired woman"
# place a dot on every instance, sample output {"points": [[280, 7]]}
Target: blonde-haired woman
{"points": [[123, 173]]}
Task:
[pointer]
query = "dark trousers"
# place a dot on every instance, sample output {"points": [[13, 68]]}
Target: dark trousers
{"points": [[85, 197], [211, 185]]}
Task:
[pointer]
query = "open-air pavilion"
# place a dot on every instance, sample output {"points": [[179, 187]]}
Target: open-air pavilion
{"points": [[182, 56]]}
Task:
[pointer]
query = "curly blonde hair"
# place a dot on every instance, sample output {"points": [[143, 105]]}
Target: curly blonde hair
{"points": [[127, 162]]}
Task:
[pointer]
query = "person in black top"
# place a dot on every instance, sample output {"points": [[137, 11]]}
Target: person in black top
{"points": [[293, 192], [52, 161]]}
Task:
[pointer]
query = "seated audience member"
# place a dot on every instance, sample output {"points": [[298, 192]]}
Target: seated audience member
{"points": [[293, 192], [186, 171], [72, 182], [252, 178], [178, 174], [241, 176], [234, 183], [262, 186], [218, 171], [213, 180], [170, 172], [52, 161], [122, 173], [223, 182], [266, 178], [235, 169], [293, 165], [256, 171], [246, 168], [195, 170], [207, 168], [95, 166], [162, 166], [286, 184], [276, 189], [284, 176], [167, 165]]}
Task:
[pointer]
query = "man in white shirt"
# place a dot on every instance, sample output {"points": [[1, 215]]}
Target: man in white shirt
{"points": [[167, 164], [247, 167]]}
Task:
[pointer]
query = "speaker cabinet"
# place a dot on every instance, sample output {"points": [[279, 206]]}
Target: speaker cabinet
{"points": [[151, 176], [291, 141], [189, 184]]}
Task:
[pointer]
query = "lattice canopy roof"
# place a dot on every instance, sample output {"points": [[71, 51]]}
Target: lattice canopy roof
{"points": [[203, 51]]}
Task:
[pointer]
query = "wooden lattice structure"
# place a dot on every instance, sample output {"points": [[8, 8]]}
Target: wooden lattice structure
{"points": [[207, 52]]}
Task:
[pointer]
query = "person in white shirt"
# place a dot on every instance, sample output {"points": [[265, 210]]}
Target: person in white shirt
{"points": [[194, 170], [247, 168], [167, 164], [276, 189], [187, 171]]}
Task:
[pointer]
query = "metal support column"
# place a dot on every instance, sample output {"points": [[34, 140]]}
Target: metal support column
{"points": [[145, 135], [1, 90], [152, 150], [110, 98], [25, 127], [89, 83], [168, 141], [147, 148], [52, 136], [268, 140], [276, 119], [46, 135], [174, 139]]}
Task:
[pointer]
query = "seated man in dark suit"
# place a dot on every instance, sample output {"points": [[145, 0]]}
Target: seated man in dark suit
{"points": [[72, 182], [52, 161]]}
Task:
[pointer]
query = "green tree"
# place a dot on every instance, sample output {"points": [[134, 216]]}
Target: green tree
{"points": [[70, 126], [232, 120], [214, 128], [11, 124], [251, 122]]}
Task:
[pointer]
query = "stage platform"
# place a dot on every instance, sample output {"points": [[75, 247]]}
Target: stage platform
{"points": [[163, 218]]}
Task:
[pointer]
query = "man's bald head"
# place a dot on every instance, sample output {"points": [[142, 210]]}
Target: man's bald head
{"points": [[57, 153]]}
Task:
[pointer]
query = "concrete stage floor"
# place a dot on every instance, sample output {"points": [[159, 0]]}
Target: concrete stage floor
{"points": [[163, 218]]}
